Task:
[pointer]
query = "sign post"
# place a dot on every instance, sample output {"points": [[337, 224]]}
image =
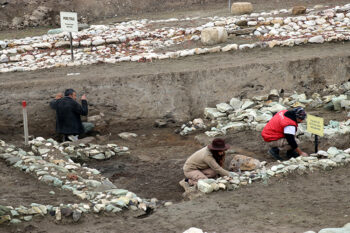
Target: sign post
{"points": [[25, 122], [69, 23], [315, 126], [229, 5]]}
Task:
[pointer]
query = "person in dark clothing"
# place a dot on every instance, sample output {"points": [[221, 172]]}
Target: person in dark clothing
{"points": [[68, 112], [280, 132]]}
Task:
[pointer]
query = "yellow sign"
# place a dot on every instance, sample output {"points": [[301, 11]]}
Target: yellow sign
{"points": [[314, 125]]}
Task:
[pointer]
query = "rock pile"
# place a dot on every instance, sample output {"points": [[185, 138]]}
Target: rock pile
{"points": [[325, 160], [82, 151], [253, 114], [49, 164], [134, 41], [192, 126]]}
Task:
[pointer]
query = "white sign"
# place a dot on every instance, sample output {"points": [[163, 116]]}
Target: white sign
{"points": [[69, 21]]}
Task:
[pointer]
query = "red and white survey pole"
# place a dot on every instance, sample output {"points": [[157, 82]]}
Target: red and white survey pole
{"points": [[25, 122]]}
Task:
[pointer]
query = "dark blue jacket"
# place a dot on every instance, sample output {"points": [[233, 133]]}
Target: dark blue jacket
{"points": [[68, 113]]}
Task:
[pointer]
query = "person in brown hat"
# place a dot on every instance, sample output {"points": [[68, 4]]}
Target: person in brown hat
{"points": [[207, 162]]}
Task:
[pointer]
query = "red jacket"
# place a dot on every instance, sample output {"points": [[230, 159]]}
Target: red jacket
{"points": [[273, 130]]}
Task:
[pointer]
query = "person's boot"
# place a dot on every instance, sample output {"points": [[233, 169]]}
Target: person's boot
{"points": [[292, 154], [275, 153]]}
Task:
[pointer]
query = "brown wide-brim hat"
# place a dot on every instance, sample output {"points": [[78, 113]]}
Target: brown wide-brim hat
{"points": [[219, 145]]}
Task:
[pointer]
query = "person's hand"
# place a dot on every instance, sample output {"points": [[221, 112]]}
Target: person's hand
{"points": [[304, 154], [232, 174], [83, 97], [58, 96]]}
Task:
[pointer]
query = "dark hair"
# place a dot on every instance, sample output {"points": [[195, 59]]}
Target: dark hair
{"points": [[220, 159], [68, 92], [300, 113]]}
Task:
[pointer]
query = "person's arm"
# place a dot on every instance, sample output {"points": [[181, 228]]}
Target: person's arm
{"points": [[289, 134], [83, 108], [53, 103], [216, 167]]}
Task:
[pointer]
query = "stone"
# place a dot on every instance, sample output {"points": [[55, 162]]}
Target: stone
{"points": [[119, 192], [93, 183], [198, 123], [344, 229], [247, 104], [337, 101], [3, 58], [66, 212], [243, 31], [263, 117], [58, 214], [43, 45], [316, 39], [214, 35], [298, 10], [322, 153], [229, 47], [5, 218], [99, 156], [224, 107], [43, 151], [160, 123], [333, 151], [275, 108], [236, 103], [28, 218], [4, 210], [213, 113], [240, 8], [204, 187], [244, 163], [234, 127], [15, 221], [14, 213], [345, 104], [76, 215], [168, 203], [55, 31], [127, 136], [72, 176], [3, 44]]}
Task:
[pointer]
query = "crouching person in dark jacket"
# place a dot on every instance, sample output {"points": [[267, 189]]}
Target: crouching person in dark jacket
{"points": [[68, 112]]}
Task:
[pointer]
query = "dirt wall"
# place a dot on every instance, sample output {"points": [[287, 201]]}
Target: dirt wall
{"points": [[131, 92], [32, 13]]}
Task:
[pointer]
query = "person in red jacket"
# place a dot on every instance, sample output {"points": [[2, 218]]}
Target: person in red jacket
{"points": [[280, 132]]}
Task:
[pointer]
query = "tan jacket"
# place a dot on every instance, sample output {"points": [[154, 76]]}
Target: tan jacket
{"points": [[203, 159]]}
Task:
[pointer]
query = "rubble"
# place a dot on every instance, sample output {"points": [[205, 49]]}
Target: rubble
{"points": [[323, 160], [192, 126], [51, 163], [134, 41], [253, 114]]}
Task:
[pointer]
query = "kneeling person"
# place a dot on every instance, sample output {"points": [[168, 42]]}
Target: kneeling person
{"points": [[280, 132], [207, 162], [68, 112]]}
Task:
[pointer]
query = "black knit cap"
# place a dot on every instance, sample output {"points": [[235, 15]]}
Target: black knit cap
{"points": [[300, 113]]}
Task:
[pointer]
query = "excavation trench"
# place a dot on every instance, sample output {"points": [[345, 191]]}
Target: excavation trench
{"points": [[132, 95]]}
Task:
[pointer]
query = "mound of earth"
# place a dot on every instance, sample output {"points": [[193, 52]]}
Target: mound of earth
{"points": [[32, 13]]}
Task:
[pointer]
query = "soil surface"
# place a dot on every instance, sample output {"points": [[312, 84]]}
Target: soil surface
{"points": [[19, 188], [296, 203]]}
